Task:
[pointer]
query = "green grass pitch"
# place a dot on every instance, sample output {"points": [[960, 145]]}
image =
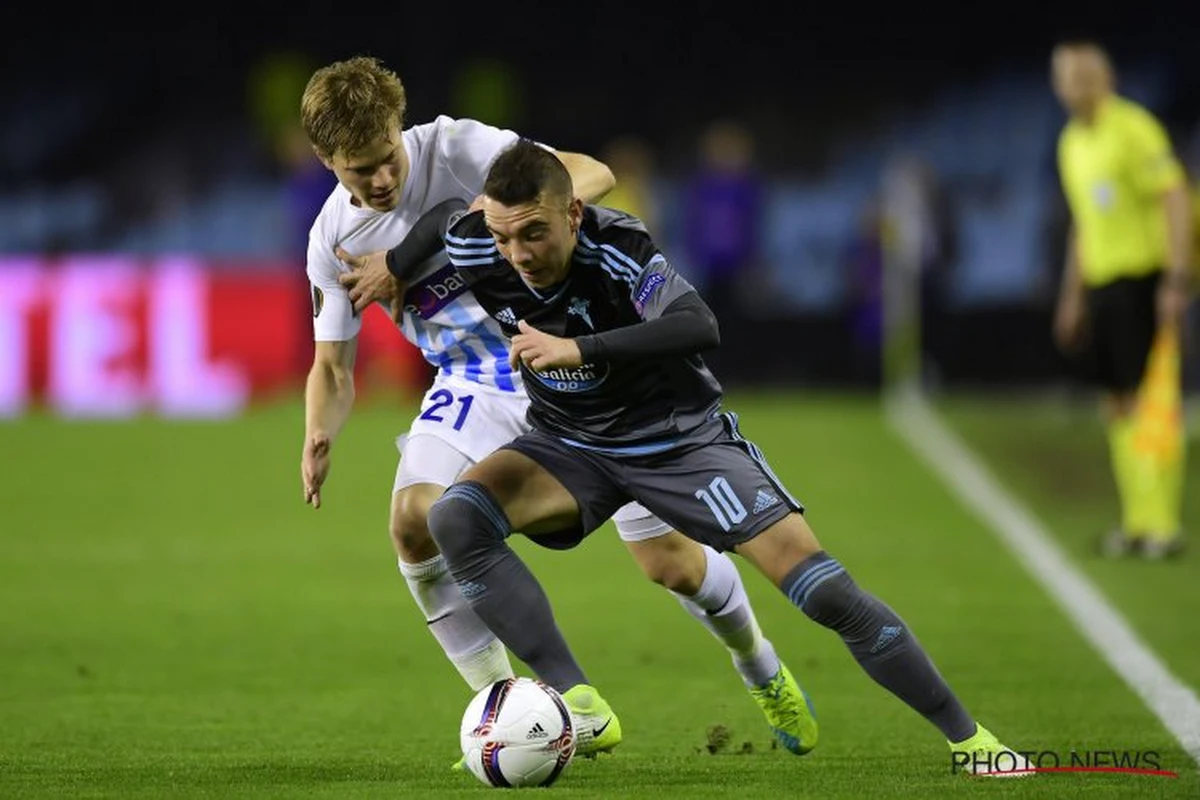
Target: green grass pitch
{"points": [[174, 622]]}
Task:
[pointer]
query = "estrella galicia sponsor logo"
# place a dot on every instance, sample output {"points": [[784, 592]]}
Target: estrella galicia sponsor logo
{"points": [[652, 282], [318, 298], [435, 292], [573, 379]]}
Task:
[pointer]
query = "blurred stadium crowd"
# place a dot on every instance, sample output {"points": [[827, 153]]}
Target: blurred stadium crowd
{"points": [[762, 177]]}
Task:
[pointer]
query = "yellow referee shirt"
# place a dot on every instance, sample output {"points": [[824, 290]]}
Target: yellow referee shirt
{"points": [[1114, 173], [1196, 232]]}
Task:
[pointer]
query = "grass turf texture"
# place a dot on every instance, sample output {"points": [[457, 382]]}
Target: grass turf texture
{"points": [[177, 623]]}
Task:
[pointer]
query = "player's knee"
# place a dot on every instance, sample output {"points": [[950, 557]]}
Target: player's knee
{"points": [[408, 524], [465, 522], [781, 547], [673, 562], [676, 577]]}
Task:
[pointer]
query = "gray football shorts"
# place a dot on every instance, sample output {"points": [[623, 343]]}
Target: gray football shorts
{"points": [[714, 486]]}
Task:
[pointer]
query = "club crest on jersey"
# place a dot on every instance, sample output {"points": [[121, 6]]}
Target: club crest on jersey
{"points": [[1104, 194], [435, 292], [579, 308], [573, 379]]}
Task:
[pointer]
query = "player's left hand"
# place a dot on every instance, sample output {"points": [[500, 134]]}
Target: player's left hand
{"points": [[368, 280], [1172, 300], [541, 351]]}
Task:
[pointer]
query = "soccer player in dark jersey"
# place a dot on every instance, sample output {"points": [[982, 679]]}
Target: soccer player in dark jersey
{"points": [[608, 337]]}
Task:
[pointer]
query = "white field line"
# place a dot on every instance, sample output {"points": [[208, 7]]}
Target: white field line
{"points": [[1174, 703]]}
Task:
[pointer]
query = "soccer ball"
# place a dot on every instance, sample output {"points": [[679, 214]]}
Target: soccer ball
{"points": [[517, 732]]}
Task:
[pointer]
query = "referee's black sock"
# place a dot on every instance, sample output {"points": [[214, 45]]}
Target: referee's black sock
{"points": [[469, 527], [878, 639]]}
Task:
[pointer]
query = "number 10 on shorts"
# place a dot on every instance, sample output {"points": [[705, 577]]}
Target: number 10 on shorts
{"points": [[722, 502]]}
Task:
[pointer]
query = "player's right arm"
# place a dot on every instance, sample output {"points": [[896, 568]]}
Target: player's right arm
{"points": [[329, 390], [328, 399], [1070, 314], [400, 264], [1070, 311]]}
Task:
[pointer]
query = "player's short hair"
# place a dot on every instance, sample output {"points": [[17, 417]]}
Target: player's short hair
{"points": [[1082, 44], [523, 172], [351, 104]]}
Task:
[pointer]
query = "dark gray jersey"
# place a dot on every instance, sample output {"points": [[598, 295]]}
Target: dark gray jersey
{"points": [[618, 278]]}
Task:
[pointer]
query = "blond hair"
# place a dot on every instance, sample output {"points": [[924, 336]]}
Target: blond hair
{"points": [[349, 105]]}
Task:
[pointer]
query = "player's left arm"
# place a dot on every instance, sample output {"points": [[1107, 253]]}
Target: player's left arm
{"points": [[591, 178], [1175, 291], [687, 326], [1178, 208], [1158, 173], [676, 322]]}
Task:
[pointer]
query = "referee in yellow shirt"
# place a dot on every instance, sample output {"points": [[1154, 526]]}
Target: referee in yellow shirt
{"points": [[1125, 287]]}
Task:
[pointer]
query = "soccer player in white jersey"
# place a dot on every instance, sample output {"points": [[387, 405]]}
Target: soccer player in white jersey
{"points": [[353, 114]]}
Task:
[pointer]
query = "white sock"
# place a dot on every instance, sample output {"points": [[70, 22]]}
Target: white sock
{"points": [[723, 607], [473, 649]]}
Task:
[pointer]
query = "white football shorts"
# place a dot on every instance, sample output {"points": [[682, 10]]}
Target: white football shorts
{"points": [[461, 423]]}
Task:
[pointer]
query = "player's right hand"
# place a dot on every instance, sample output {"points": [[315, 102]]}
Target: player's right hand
{"points": [[539, 350], [369, 280], [314, 467]]}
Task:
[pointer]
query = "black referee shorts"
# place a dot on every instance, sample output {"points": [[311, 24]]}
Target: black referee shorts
{"points": [[1122, 321]]}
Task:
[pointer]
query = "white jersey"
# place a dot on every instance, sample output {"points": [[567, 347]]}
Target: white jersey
{"points": [[448, 158]]}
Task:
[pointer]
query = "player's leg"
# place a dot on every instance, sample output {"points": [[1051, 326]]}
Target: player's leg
{"points": [[881, 642], [709, 587], [427, 466], [788, 554], [706, 583], [471, 523], [725, 494], [1116, 411], [508, 491], [1112, 370], [459, 424], [1145, 396], [774, 536]]}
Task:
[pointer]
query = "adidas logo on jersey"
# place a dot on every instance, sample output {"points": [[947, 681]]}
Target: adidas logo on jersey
{"points": [[763, 501], [506, 316], [537, 732]]}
